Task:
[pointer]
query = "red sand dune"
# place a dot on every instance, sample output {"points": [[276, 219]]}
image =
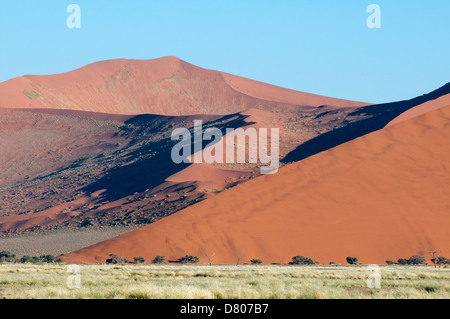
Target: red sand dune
{"points": [[166, 86], [380, 197], [422, 109]]}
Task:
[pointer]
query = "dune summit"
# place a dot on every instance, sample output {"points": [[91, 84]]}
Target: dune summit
{"points": [[382, 196], [165, 86]]}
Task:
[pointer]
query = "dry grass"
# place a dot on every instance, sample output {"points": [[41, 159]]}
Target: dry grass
{"points": [[21, 281]]}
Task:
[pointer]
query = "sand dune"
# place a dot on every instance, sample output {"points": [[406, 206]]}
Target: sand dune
{"points": [[422, 109], [380, 197], [165, 86]]}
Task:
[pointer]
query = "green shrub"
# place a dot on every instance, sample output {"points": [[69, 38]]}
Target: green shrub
{"points": [[159, 260], [390, 262], [352, 260], [440, 261], [47, 259], [300, 260], [27, 259], [402, 261], [6, 256], [116, 260], [188, 259], [417, 260], [139, 260], [256, 261]]}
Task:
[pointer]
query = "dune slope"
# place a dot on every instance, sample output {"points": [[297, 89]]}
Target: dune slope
{"points": [[379, 197]]}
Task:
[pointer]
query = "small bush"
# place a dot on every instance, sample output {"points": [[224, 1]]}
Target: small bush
{"points": [[352, 260], [390, 262], [6, 256], [139, 260], [256, 261], [300, 260], [27, 259], [116, 260], [49, 259], [440, 261], [159, 260], [402, 261], [417, 260], [188, 259]]}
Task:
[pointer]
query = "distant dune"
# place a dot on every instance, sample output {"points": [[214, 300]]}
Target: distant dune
{"points": [[165, 86], [380, 197]]}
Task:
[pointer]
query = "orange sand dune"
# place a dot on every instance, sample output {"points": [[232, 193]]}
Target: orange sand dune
{"points": [[422, 109], [380, 197], [165, 86]]}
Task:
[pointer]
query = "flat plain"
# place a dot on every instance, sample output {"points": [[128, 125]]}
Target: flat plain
{"points": [[202, 281]]}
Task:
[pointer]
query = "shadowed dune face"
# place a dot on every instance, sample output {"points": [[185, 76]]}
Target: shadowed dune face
{"points": [[68, 169], [165, 86], [379, 197], [65, 169]]}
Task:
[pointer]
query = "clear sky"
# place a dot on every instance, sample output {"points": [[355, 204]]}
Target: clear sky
{"points": [[316, 46]]}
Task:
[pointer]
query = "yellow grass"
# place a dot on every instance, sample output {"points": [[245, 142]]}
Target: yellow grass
{"points": [[27, 281]]}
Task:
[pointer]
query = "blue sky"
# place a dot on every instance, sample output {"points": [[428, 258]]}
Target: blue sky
{"points": [[320, 46]]}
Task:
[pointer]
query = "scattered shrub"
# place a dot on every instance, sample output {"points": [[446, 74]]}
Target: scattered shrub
{"points": [[6, 256], [159, 260], [139, 260], [440, 261], [417, 260], [352, 260], [116, 260], [188, 259], [390, 262], [27, 259], [300, 260], [402, 261], [256, 261], [47, 259]]}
